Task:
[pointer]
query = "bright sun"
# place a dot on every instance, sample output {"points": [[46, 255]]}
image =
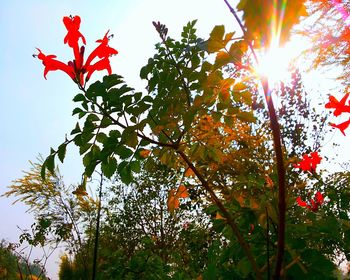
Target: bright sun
{"points": [[275, 62]]}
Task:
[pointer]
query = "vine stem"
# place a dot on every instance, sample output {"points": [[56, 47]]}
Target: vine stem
{"points": [[276, 134]]}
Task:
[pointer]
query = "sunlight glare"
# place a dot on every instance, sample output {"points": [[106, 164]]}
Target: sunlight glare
{"points": [[275, 62]]}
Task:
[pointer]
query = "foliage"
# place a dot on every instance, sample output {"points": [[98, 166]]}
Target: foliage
{"points": [[14, 265], [8, 263], [209, 173], [329, 29], [60, 216]]}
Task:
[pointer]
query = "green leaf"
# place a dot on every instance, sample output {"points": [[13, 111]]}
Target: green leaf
{"points": [[123, 152], [125, 173], [77, 111], [76, 129], [50, 163], [79, 97], [84, 147], [82, 114], [137, 96], [92, 118], [228, 120], [101, 137], [246, 116], [144, 142], [135, 166], [87, 158], [96, 89], [129, 137], [109, 167], [145, 70], [62, 151], [244, 267], [105, 122], [43, 171], [112, 80]]}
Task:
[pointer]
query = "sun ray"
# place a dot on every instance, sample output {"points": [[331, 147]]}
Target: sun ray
{"points": [[274, 59]]}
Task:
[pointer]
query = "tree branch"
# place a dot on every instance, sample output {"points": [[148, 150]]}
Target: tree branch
{"points": [[245, 245], [279, 157]]}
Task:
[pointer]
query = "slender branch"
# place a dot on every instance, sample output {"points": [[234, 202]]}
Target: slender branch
{"points": [[245, 246], [279, 158], [97, 232], [276, 133], [184, 84]]}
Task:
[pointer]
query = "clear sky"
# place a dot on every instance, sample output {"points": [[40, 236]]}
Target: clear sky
{"points": [[36, 113]]}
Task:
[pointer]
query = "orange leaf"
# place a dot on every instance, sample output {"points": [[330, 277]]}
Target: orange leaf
{"points": [[145, 153], [219, 217], [173, 201], [182, 192], [189, 172], [240, 199], [253, 204], [268, 181]]}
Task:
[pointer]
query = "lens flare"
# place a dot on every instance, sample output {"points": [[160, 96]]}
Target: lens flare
{"points": [[275, 62]]}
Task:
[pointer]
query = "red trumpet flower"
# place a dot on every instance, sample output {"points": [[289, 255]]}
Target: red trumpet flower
{"points": [[309, 162], [339, 106], [312, 204], [76, 69], [342, 126], [51, 64]]}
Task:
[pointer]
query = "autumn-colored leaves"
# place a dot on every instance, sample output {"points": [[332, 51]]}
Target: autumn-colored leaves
{"points": [[175, 195]]}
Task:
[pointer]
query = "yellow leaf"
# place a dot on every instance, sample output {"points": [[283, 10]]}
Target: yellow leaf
{"points": [[80, 191]]}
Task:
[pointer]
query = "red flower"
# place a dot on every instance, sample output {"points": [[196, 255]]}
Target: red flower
{"points": [[342, 126], [73, 24], [98, 66], [102, 51], [52, 64], [76, 68], [72, 38], [309, 162], [312, 204], [339, 106]]}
